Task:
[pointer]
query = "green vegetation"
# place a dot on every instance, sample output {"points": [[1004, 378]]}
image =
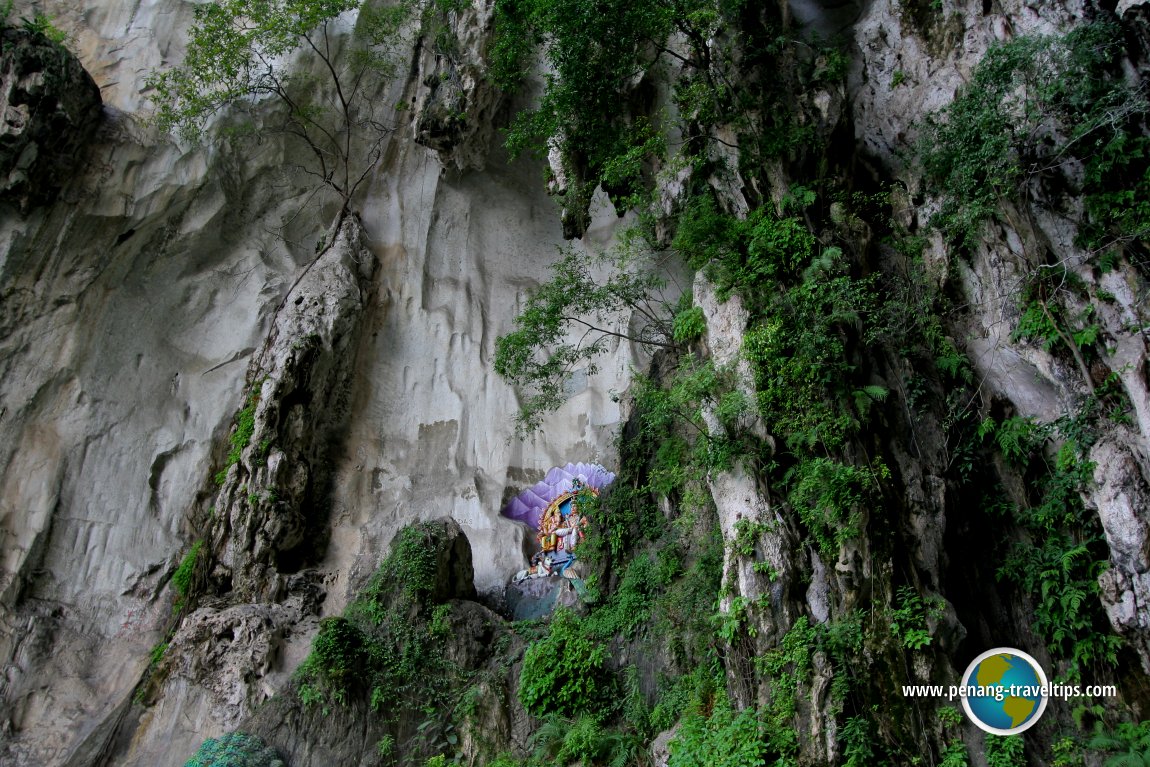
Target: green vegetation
{"points": [[1060, 564], [564, 673], [157, 654], [1128, 744], [788, 666], [234, 58], [909, 619], [1045, 320], [584, 741], [595, 52], [385, 645], [542, 352], [1035, 105], [807, 311], [714, 734], [954, 753], [183, 579], [39, 24], [735, 70], [1066, 752], [825, 329], [236, 749], [829, 495], [1005, 751], [241, 436], [689, 324], [713, 731], [653, 586]]}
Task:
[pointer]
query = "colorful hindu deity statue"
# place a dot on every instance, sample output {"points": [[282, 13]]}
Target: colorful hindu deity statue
{"points": [[562, 527]]}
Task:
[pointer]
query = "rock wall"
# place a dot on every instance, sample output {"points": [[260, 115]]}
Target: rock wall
{"points": [[131, 315], [177, 290]]}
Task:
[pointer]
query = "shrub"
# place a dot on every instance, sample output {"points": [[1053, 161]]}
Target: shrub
{"points": [[235, 749], [41, 24], [593, 53], [339, 649], [722, 738], [908, 623], [1128, 744], [1061, 563], [565, 673], [1005, 751], [689, 325], [829, 497], [387, 644]]}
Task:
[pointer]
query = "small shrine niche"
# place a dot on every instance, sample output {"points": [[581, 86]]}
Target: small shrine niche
{"points": [[556, 510]]}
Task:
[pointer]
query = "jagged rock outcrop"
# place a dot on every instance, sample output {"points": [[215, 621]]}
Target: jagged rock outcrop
{"points": [[49, 110], [273, 499], [471, 643], [456, 103], [274, 495]]}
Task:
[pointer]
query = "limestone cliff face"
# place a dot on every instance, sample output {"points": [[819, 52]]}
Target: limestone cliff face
{"points": [[907, 65], [139, 317], [178, 295]]}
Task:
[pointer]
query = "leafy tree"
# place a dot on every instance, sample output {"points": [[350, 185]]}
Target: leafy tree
{"points": [[593, 109], [595, 51], [540, 354], [237, 56]]}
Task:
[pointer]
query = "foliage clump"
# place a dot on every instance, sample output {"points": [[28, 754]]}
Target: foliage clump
{"points": [[384, 646], [595, 51], [1128, 744], [714, 734], [564, 673], [236, 749], [1034, 105], [241, 436], [1065, 552], [183, 578]]}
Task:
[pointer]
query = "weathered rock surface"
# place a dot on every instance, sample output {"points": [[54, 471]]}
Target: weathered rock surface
{"points": [[1122, 497], [272, 500], [180, 287], [272, 506], [127, 324], [456, 103], [49, 110]]}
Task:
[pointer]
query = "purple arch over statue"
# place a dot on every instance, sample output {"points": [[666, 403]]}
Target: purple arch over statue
{"points": [[529, 505]]}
